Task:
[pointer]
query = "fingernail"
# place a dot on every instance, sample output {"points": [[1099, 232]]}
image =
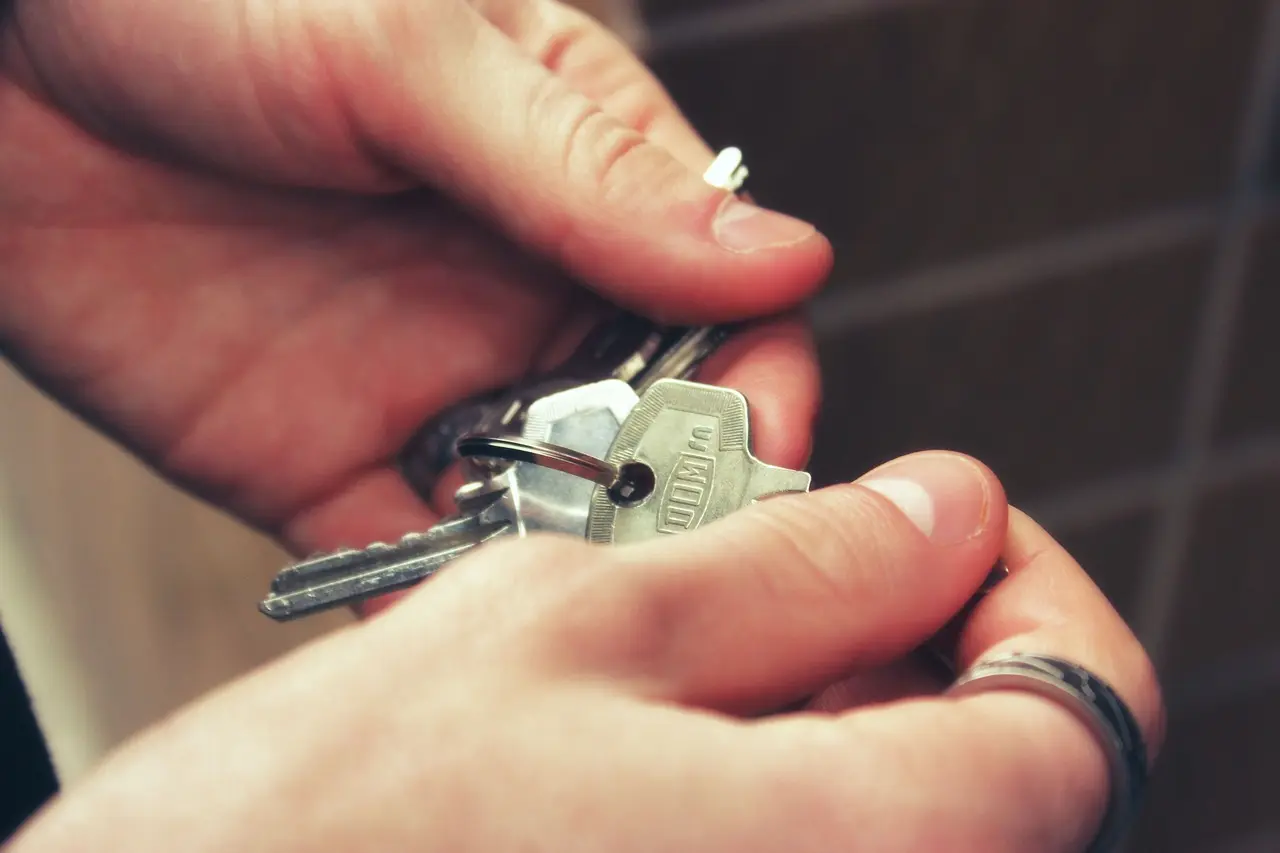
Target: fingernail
{"points": [[943, 494], [742, 227]]}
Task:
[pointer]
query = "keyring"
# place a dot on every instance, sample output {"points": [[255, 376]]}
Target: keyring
{"points": [[540, 453], [626, 485]]}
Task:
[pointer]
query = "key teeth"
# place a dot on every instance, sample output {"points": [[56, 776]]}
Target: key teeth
{"points": [[314, 563], [318, 558], [295, 575], [375, 570], [318, 564]]}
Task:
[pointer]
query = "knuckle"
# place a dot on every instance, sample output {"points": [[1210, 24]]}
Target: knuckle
{"points": [[639, 106], [557, 43], [598, 151], [549, 31], [618, 615], [625, 163]]}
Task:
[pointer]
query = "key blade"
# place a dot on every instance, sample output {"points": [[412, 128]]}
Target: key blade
{"points": [[683, 353], [347, 577], [769, 481], [323, 567]]}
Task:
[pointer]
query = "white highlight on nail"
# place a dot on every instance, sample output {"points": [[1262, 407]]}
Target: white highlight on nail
{"points": [[909, 496]]}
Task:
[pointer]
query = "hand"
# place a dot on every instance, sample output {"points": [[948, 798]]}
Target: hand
{"points": [[549, 695], [261, 242]]}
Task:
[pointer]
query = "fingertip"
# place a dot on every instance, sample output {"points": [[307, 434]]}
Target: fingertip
{"points": [[775, 367], [1050, 605], [949, 497], [744, 228], [757, 262], [676, 262], [816, 585]]}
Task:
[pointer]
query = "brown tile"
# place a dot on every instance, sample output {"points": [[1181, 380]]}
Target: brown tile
{"points": [[1060, 384], [1217, 780], [917, 135], [1252, 404], [1271, 168], [663, 11], [1229, 601], [1114, 553]]}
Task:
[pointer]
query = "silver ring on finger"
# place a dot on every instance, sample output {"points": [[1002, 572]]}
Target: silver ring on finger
{"points": [[1093, 702]]}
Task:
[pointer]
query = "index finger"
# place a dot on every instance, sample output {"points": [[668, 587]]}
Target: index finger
{"points": [[1001, 770], [1049, 605]]}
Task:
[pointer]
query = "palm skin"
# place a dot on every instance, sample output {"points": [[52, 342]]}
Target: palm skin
{"points": [[214, 256], [219, 242]]}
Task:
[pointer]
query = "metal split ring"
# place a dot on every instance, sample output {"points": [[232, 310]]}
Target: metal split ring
{"points": [[1093, 702], [539, 453], [626, 484]]}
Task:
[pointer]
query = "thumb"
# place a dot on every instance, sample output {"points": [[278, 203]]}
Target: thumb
{"points": [[452, 99], [773, 603]]}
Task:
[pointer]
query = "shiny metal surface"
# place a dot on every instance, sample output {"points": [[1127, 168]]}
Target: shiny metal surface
{"points": [[727, 171], [345, 577], [1095, 704], [583, 420], [549, 456], [695, 441], [524, 498], [626, 347]]}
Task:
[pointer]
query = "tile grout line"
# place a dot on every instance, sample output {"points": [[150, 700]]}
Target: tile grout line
{"points": [[759, 17], [1009, 270], [1099, 502], [1135, 491], [1256, 841], [1211, 355], [1141, 490]]}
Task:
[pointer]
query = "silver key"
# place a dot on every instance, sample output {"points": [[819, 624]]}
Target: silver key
{"points": [[522, 499], [585, 420], [684, 456], [627, 347], [327, 581], [621, 349]]}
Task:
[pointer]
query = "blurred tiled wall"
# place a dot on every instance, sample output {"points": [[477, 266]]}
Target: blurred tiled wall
{"points": [[1058, 249]]}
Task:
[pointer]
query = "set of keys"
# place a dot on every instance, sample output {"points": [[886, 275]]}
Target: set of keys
{"points": [[597, 461], [616, 446]]}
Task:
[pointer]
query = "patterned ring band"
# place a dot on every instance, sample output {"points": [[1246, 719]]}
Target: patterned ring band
{"points": [[1097, 705]]}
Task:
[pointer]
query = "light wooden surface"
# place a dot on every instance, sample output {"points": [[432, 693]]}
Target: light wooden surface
{"points": [[123, 598]]}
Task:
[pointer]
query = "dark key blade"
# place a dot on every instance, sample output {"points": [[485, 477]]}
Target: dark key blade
{"points": [[683, 352], [347, 577], [627, 346]]}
